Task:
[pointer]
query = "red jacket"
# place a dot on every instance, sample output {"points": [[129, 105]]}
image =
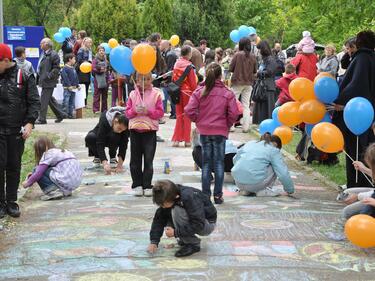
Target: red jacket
{"points": [[283, 85], [305, 65]]}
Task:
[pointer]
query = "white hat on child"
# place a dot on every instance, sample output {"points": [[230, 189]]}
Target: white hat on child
{"points": [[306, 33]]}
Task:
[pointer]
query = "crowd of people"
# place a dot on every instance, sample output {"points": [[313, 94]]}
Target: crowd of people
{"points": [[217, 89]]}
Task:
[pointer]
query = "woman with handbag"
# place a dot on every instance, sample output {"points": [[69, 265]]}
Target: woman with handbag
{"points": [[182, 129], [100, 72], [265, 94], [84, 55]]}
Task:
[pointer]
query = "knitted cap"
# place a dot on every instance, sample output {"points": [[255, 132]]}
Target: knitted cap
{"points": [[306, 33], [5, 52]]}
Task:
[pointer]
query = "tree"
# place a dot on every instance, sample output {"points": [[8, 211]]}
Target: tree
{"points": [[157, 16]]}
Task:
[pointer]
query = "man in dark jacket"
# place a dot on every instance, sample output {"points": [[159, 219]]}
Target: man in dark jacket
{"points": [[359, 81], [48, 75], [186, 211], [19, 106]]}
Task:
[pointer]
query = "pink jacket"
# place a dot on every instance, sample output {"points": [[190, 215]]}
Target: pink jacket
{"points": [[215, 113], [190, 82], [153, 102]]}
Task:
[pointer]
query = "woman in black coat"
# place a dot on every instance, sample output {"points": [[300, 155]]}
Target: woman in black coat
{"points": [[267, 70], [359, 81]]}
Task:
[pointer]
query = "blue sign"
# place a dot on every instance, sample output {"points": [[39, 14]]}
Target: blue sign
{"points": [[16, 33]]}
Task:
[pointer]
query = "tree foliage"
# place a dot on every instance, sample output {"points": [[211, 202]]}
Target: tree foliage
{"points": [[157, 16]]}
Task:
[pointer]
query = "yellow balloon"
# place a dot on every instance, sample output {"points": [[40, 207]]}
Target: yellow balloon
{"points": [[327, 137], [289, 114], [113, 43], [323, 74], [284, 133], [144, 58], [302, 89], [174, 40], [312, 111], [85, 67], [360, 230]]}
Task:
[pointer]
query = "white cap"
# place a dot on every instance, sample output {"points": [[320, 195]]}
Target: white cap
{"points": [[306, 33]]}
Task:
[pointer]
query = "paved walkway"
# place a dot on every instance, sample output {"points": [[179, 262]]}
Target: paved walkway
{"points": [[101, 233]]}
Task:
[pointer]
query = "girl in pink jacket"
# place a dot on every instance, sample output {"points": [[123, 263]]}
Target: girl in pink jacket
{"points": [[214, 109], [143, 109]]}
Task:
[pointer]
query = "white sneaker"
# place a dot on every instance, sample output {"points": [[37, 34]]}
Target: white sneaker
{"points": [[113, 163], [268, 192], [96, 163], [138, 191], [148, 192]]}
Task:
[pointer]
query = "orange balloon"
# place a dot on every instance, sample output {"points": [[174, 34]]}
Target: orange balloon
{"points": [[284, 133], [323, 74], [288, 114], [312, 111], [360, 230], [113, 43], [302, 89], [85, 67], [144, 58], [327, 137]]}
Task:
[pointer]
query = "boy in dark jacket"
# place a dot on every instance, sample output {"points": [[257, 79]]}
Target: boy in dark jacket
{"points": [[112, 132], [70, 83], [184, 212]]}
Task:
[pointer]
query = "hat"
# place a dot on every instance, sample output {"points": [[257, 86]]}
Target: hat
{"points": [[5, 52], [306, 34]]}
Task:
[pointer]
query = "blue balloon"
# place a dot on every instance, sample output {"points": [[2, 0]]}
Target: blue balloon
{"points": [[59, 38], [252, 30], [65, 31], [275, 117], [326, 89], [243, 31], [327, 118], [235, 36], [358, 115], [268, 126], [106, 48], [120, 58]]}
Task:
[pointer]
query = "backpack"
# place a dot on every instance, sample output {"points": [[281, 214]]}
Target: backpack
{"points": [[173, 88]]}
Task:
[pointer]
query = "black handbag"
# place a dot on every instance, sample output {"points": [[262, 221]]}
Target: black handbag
{"points": [[259, 92], [173, 88]]}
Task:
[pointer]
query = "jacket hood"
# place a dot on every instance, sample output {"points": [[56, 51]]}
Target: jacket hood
{"points": [[291, 76], [112, 112], [182, 63]]}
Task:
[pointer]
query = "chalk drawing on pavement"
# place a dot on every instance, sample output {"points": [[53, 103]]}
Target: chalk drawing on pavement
{"points": [[113, 277], [267, 224]]}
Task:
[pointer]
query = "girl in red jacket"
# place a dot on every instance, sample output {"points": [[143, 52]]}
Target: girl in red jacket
{"points": [[283, 84]]}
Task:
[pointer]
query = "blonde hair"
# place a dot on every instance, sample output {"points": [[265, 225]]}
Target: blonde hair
{"points": [[370, 158], [331, 47], [85, 40]]}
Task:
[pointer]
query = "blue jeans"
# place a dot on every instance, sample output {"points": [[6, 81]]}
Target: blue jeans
{"points": [[45, 183], [213, 154], [165, 102], [69, 102]]}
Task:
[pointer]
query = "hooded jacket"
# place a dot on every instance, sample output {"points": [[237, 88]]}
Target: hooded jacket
{"points": [[283, 85], [305, 65]]}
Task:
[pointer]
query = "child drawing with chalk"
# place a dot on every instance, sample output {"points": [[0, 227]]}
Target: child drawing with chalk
{"points": [[183, 212], [144, 109]]}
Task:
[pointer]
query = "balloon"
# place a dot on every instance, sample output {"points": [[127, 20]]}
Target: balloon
{"points": [[302, 89], [309, 127], [65, 31], [235, 36], [358, 115], [243, 31], [288, 114], [252, 30], [275, 116], [113, 43], [326, 89], [120, 58], [258, 40], [284, 133], [323, 74], [267, 126], [144, 58], [85, 67], [106, 48], [59, 38], [360, 230], [174, 40], [312, 111], [327, 137]]}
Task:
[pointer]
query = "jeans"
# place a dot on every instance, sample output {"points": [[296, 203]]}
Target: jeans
{"points": [[181, 219], [368, 209], [69, 102], [165, 102], [112, 142], [45, 183], [213, 153], [263, 185]]}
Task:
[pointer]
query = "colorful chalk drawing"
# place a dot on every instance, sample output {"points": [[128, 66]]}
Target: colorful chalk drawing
{"points": [[251, 207], [112, 277], [183, 264], [267, 224], [281, 249]]}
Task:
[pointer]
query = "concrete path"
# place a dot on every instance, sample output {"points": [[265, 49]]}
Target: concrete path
{"points": [[101, 232]]}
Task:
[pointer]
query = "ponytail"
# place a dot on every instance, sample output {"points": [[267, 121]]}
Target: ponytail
{"points": [[213, 72], [269, 139]]}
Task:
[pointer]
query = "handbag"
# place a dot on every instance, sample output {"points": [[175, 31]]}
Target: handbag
{"points": [[259, 92], [173, 88], [101, 80]]}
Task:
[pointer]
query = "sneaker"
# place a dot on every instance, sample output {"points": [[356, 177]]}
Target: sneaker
{"points": [[267, 192], [96, 163], [159, 139], [218, 200], [162, 121], [59, 120], [138, 191], [13, 209], [147, 192], [40, 122], [247, 193], [3, 210], [113, 162], [172, 117], [53, 195], [187, 250]]}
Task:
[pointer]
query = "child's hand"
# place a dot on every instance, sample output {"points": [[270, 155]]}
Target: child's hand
{"points": [[119, 168], [169, 232], [369, 201], [359, 166], [351, 199], [24, 184], [107, 169], [152, 248], [139, 109]]}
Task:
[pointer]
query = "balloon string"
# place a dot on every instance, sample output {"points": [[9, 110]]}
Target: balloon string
{"points": [[360, 171], [143, 89], [356, 157]]}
